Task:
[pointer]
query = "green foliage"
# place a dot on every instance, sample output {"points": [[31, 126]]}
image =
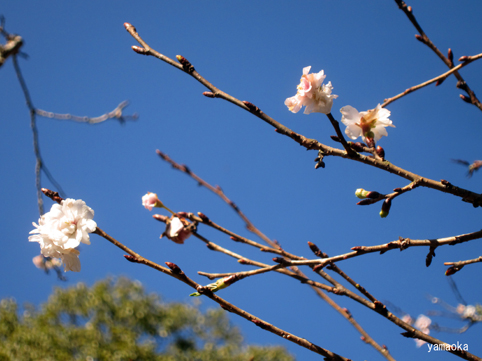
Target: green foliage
{"points": [[117, 320]]}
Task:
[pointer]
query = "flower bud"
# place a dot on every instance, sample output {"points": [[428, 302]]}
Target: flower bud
{"points": [[387, 203], [139, 50], [380, 151], [150, 200], [465, 99], [363, 194]]}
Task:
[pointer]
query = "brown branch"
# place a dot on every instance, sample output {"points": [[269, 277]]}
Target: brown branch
{"points": [[446, 187], [457, 266], [401, 244], [115, 114], [467, 60], [425, 39], [217, 190]]}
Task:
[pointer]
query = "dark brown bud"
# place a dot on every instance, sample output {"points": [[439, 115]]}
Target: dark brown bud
{"points": [[127, 26], [320, 164], [419, 38], [139, 50], [131, 258], [278, 259], [380, 151], [373, 195], [160, 217], [251, 106], [465, 99], [464, 58], [452, 270], [450, 56], [187, 66], [439, 82], [242, 261], [387, 203], [314, 248], [365, 202], [397, 190], [229, 280], [174, 267], [335, 138], [182, 214], [203, 217], [318, 267], [260, 324], [357, 147], [209, 94]]}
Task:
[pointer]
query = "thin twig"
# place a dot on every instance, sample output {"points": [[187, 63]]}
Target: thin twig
{"points": [[431, 81], [457, 266], [217, 190], [446, 187], [115, 114], [425, 39]]}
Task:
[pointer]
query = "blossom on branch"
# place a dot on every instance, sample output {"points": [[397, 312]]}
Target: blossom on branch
{"points": [[150, 200], [176, 231], [312, 94], [423, 324], [370, 124], [62, 229]]}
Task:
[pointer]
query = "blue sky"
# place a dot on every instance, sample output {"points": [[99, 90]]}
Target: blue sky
{"points": [[80, 62]]}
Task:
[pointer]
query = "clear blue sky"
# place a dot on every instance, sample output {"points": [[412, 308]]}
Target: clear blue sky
{"points": [[80, 62]]}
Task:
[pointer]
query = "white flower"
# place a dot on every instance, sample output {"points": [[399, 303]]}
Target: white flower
{"points": [[175, 230], [369, 124], [312, 93], [422, 323], [62, 229]]}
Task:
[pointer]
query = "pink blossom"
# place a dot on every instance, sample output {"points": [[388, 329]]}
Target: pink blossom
{"points": [[150, 200], [312, 94]]}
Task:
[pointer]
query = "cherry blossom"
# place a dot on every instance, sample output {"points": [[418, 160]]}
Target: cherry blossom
{"points": [[312, 94], [176, 231], [370, 124], [62, 229]]}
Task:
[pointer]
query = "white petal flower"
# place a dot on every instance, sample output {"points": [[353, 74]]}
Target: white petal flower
{"points": [[369, 124], [312, 94], [422, 323], [62, 229], [176, 231]]}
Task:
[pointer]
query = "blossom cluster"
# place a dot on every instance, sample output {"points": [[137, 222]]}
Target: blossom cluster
{"points": [[60, 231], [317, 98]]}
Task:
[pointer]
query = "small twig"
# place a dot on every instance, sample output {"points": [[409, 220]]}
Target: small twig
{"points": [[336, 125], [217, 190], [40, 164], [425, 39], [115, 114], [457, 266], [401, 244], [468, 60]]}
